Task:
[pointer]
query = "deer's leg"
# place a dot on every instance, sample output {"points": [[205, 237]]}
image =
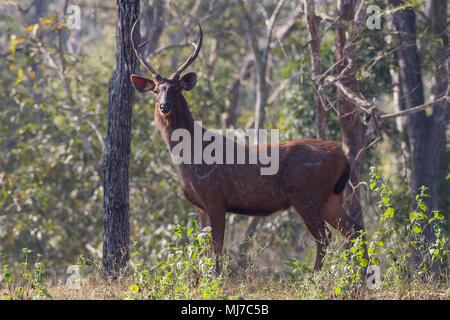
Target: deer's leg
{"points": [[217, 218], [335, 215], [318, 229], [204, 218]]}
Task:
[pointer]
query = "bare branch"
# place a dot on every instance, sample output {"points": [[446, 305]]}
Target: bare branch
{"points": [[367, 106], [415, 109]]}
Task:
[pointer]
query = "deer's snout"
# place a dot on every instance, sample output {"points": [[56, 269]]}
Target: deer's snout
{"points": [[165, 108]]}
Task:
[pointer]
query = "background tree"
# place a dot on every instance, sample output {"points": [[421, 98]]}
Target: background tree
{"points": [[426, 130], [354, 134], [313, 24]]}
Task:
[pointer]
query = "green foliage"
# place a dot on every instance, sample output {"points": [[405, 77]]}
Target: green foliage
{"points": [[28, 283], [390, 248], [186, 270], [411, 234]]}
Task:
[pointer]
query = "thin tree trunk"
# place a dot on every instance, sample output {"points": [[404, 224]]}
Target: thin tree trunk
{"points": [[261, 57], [118, 143], [261, 97], [399, 104], [153, 25], [352, 127], [313, 23]]}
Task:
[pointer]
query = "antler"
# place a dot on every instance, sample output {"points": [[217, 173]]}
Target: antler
{"points": [[192, 58], [155, 74]]}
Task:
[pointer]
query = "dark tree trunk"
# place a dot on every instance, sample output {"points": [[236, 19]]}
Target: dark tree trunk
{"points": [[426, 133], [116, 155], [441, 53], [352, 127]]}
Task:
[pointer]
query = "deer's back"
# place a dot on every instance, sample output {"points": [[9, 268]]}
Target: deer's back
{"points": [[308, 171]]}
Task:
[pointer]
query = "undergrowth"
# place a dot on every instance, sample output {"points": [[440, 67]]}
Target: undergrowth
{"points": [[399, 267]]}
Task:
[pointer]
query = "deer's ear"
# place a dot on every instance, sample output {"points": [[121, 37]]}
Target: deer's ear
{"points": [[142, 84], [188, 81]]}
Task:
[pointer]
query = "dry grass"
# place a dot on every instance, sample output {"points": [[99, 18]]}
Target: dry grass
{"points": [[250, 285]]}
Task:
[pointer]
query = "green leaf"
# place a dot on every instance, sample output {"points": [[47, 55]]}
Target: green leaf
{"points": [[417, 229], [363, 263], [390, 212], [19, 76], [423, 206], [290, 264], [337, 291], [8, 276], [45, 292]]}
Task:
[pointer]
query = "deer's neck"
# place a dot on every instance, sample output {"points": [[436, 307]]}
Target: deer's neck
{"points": [[182, 120]]}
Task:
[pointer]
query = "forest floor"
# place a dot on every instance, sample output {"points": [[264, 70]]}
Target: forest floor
{"points": [[318, 286]]}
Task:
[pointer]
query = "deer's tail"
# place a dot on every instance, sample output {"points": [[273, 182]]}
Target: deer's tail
{"points": [[342, 182]]}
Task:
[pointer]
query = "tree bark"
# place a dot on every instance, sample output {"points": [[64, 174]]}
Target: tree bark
{"points": [[261, 57], [352, 127], [153, 25], [313, 23], [441, 60], [426, 132], [118, 143], [399, 105]]}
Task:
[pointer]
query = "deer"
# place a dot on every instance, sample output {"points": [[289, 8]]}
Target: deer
{"points": [[311, 178]]}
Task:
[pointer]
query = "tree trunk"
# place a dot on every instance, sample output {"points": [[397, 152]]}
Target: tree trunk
{"points": [[116, 155], [352, 127], [441, 113], [399, 105], [261, 98], [426, 133], [152, 25], [313, 23]]}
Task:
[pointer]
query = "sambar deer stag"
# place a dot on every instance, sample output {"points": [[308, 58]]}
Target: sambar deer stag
{"points": [[311, 178]]}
